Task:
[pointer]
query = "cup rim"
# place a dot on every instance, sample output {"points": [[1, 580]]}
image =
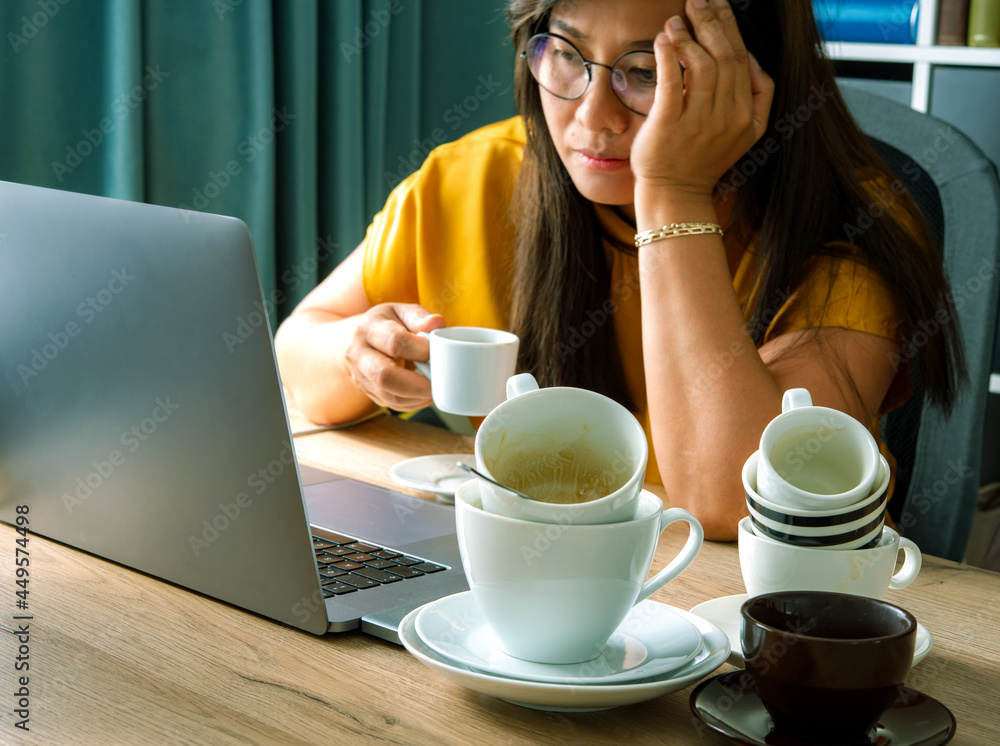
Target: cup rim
{"points": [[590, 506], [476, 483], [576, 391], [764, 597], [812, 498], [504, 336], [750, 468]]}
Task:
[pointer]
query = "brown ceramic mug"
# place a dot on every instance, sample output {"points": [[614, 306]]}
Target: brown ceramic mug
{"points": [[826, 665]]}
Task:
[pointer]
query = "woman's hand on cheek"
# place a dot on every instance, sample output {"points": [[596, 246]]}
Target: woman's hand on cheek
{"points": [[705, 117]]}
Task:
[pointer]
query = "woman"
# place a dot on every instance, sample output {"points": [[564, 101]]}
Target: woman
{"points": [[531, 225]]}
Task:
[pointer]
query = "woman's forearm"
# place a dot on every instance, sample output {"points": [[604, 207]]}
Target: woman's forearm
{"points": [[709, 393], [310, 347]]}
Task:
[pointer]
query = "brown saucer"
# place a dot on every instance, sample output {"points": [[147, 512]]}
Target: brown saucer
{"points": [[728, 704]]}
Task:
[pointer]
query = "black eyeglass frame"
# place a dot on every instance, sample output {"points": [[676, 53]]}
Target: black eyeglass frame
{"points": [[588, 65]]}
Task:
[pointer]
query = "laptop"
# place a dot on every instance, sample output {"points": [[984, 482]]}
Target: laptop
{"points": [[143, 421]]}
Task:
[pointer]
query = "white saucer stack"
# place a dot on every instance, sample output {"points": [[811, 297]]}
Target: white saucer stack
{"points": [[657, 650]]}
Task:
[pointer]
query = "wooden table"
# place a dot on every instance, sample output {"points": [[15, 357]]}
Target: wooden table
{"points": [[117, 657]]}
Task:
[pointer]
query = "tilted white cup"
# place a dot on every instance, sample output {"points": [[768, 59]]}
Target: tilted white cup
{"points": [[815, 457], [556, 593], [769, 566], [524, 442], [469, 367]]}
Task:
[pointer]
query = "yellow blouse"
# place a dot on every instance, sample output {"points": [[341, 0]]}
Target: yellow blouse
{"points": [[444, 240]]}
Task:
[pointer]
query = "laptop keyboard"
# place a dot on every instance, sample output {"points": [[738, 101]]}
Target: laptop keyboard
{"points": [[347, 565]]}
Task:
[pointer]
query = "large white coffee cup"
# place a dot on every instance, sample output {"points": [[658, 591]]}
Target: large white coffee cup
{"points": [[469, 367], [540, 438], [770, 566], [556, 593], [815, 457]]}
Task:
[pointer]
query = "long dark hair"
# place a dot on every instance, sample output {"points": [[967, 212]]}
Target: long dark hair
{"points": [[799, 201]]}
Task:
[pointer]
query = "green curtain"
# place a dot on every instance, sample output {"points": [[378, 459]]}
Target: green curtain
{"points": [[297, 116]]}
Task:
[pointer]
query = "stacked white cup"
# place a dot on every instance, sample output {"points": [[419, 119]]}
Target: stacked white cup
{"points": [[554, 580], [818, 479], [817, 491]]}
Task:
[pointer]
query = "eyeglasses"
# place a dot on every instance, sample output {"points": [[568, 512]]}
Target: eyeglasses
{"points": [[561, 70]]}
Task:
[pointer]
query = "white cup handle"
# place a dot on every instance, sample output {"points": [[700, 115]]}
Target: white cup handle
{"points": [[796, 399], [424, 368], [695, 538], [522, 383], [911, 564]]}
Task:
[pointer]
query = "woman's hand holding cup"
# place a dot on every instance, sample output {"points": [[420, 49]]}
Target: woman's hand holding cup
{"points": [[462, 370], [385, 338]]}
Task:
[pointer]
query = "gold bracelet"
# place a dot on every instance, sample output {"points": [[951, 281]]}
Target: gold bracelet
{"points": [[677, 229]]}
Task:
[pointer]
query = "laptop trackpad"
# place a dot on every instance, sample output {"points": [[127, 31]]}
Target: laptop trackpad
{"points": [[379, 515]]}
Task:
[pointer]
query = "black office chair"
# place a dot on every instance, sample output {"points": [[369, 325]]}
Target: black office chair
{"points": [[955, 185]]}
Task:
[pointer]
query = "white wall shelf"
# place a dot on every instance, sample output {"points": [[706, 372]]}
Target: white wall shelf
{"points": [[909, 53]]}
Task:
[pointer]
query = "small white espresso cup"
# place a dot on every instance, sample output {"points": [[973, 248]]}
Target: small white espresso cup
{"points": [[556, 593], [769, 566], [469, 367], [815, 457], [543, 441]]}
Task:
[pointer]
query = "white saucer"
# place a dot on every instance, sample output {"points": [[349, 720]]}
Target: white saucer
{"points": [[572, 697], [653, 640], [724, 612], [436, 473]]}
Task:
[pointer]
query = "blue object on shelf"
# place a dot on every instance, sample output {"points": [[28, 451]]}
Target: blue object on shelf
{"points": [[876, 21]]}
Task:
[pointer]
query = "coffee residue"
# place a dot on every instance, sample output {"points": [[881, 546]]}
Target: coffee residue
{"points": [[573, 474]]}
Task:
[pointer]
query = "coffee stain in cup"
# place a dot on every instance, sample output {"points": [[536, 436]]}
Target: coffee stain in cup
{"points": [[817, 459], [559, 472]]}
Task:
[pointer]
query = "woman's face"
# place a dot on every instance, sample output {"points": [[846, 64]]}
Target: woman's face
{"points": [[593, 134]]}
